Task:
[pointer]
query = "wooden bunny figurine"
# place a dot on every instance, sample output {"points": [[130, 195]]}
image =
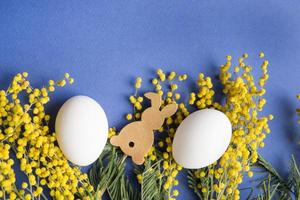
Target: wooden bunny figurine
{"points": [[136, 138]]}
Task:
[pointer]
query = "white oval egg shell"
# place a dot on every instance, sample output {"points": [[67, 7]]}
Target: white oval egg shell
{"points": [[82, 129], [201, 139]]}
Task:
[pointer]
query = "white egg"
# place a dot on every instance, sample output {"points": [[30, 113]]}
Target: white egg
{"points": [[201, 138], [82, 130]]}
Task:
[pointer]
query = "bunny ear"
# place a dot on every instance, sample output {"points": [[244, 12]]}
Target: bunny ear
{"points": [[155, 99], [169, 110], [114, 141]]}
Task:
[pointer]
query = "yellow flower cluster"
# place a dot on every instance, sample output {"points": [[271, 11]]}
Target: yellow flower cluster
{"points": [[112, 132], [138, 82], [7, 174], [243, 103], [204, 97], [298, 109], [25, 132]]}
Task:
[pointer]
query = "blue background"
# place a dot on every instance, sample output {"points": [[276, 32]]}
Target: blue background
{"points": [[105, 44]]}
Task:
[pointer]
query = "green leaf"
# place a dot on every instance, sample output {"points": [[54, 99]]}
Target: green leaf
{"points": [[268, 189], [193, 183], [272, 185], [108, 174], [294, 178], [151, 183]]}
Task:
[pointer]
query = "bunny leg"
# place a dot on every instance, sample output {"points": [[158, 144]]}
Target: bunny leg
{"points": [[138, 159]]}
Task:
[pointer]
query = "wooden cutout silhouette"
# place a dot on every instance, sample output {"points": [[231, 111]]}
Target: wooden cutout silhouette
{"points": [[136, 138]]}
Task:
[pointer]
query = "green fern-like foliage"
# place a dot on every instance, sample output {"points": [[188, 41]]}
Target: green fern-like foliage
{"points": [[108, 175], [294, 178], [268, 189], [273, 186], [151, 185]]}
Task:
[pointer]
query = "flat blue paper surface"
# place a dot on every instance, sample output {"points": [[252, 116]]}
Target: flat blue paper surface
{"points": [[104, 45]]}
